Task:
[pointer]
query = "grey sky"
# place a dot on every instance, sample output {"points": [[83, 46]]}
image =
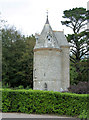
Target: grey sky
{"points": [[29, 16]]}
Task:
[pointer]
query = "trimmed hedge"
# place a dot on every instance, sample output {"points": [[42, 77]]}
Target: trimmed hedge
{"points": [[36, 101]]}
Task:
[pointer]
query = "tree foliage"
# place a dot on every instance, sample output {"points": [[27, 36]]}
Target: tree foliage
{"points": [[17, 58], [76, 19]]}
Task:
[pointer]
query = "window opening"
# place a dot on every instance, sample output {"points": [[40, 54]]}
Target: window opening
{"points": [[45, 86]]}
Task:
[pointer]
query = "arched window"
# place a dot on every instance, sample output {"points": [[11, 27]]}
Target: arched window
{"points": [[45, 86]]}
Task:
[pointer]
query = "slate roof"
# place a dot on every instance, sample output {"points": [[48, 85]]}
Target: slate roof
{"points": [[49, 38], [62, 41], [47, 21]]}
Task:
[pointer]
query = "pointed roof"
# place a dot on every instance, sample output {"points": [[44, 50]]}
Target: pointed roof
{"points": [[47, 37], [47, 21]]}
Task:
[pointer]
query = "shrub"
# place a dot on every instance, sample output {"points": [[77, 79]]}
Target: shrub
{"points": [[28, 87], [21, 87], [83, 115], [36, 101], [80, 88]]}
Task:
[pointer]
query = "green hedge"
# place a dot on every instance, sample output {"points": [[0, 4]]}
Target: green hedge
{"points": [[36, 101]]}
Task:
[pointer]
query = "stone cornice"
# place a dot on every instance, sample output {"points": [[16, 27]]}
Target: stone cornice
{"points": [[64, 46], [40, 49]]}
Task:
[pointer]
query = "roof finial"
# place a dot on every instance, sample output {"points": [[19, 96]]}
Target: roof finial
{"points": [[47, 21], [47, 13]]}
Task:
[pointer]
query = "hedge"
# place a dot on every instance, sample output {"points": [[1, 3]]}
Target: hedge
{"points": [[37, 101]]}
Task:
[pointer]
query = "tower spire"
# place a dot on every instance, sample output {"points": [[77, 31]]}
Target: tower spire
{"points": [[47, 21]]}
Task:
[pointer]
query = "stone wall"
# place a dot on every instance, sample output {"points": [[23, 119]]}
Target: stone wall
{"points": [[47, 69], [65, 67]]}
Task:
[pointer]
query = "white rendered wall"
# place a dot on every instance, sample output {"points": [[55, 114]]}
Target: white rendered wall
{"points": [[47, 69]]}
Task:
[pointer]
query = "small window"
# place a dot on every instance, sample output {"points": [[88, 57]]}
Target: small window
{"points": [[44, 74], [49, 37], [45, 86]]}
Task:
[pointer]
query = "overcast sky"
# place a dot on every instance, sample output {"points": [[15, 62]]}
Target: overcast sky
{"points": [[29, 16]]}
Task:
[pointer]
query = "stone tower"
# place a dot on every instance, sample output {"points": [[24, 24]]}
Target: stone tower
{"points": [[51, 60]]}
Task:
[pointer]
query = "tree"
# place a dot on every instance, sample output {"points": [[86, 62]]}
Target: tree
{"points": [[17, 58], [76, 19]]}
